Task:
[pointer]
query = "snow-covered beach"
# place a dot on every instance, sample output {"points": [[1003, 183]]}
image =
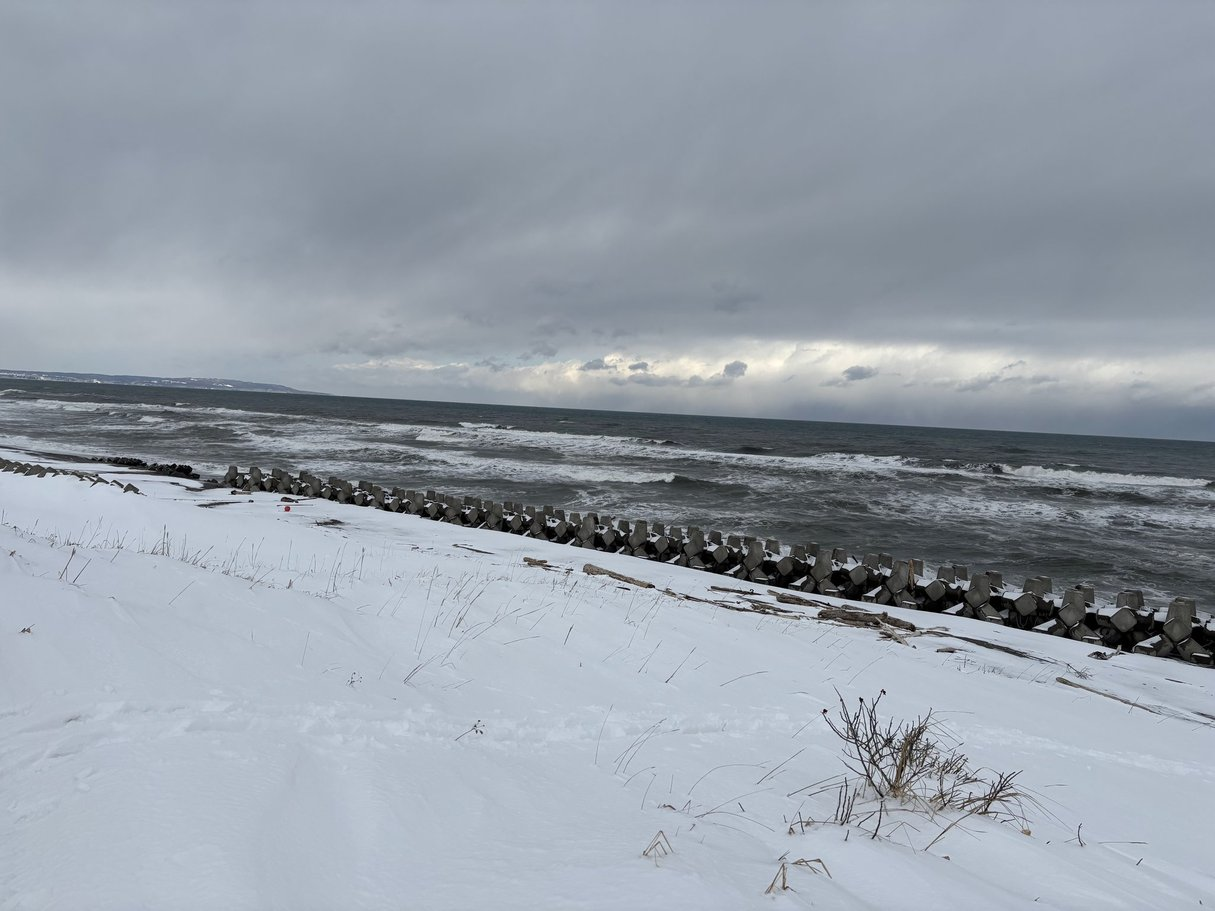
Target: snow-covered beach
{"points": [[209, 701]]}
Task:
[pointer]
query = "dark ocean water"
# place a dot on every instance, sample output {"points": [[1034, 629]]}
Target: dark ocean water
{"points": [[1113, 512]]}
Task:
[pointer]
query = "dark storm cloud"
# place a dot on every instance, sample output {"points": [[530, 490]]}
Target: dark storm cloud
{"points": [[852, 374], [296, 185], [727, 375]]}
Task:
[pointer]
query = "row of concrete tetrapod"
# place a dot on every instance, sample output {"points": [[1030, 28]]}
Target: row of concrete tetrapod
{"points": [[41, 471], [1077, 613], [172, 469]]}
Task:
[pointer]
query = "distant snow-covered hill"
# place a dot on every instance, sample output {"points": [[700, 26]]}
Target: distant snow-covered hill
{"points": [[178, 382]]}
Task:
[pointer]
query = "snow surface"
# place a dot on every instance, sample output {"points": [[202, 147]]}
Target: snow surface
{"points": [[237, 707]]}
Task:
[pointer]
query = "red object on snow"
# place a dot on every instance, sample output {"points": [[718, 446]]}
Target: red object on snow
{"points": [[286, 509]]}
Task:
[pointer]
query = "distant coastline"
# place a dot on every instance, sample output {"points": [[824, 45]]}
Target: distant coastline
{"points": [[162, 382]]}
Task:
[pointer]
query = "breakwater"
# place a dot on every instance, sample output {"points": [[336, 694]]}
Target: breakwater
{"points": [[1126, 623], [34, 470]]}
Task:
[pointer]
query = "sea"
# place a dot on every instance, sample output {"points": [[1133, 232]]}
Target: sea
{"points": [[1113, 512]]}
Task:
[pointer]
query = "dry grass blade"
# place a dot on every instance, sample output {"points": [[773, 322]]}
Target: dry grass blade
{"points": [[845, 803], [780, 882], [660, 846], [1001, 797], [809, 864]]}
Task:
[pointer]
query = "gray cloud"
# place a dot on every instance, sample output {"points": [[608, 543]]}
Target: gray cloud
{"points": [[541, 350], [652, 379], [270, 191], [731, 297], [597, 364], [492, 364], [854, 374], [640, 374], [1005, 375]]}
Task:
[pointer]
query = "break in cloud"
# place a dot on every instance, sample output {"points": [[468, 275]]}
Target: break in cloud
{"points": [[967, 214]]}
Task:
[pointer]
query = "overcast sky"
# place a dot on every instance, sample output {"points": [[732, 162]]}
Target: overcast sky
{"points": [[988, 214]]}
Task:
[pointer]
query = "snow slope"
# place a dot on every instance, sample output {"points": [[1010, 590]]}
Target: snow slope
{"points": [[234, 706]]}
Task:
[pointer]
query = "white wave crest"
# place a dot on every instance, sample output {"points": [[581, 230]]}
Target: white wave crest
{"points": [[1099, 479]]}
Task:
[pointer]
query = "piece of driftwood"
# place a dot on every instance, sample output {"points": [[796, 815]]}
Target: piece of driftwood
{"points": [[763, 607], [752, 605], [684, 596], [544, 565], [592, 570], [488, 552], [733, 591], [864, 618], [994, 646], [790, 598]]}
